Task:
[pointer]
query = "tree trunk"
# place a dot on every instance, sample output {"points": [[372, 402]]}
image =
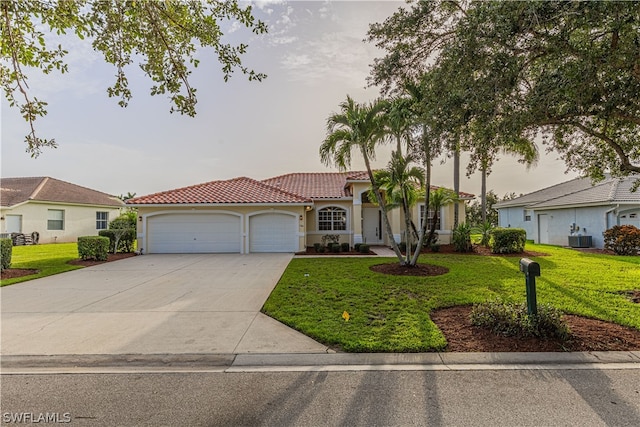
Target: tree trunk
{"points": [[383, 207], [456, 184], [427, 180], [483, 195]]}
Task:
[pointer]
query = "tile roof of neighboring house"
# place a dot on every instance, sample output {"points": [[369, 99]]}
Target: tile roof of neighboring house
{"points": [[236, 190], [579, 191], [45, 189]]}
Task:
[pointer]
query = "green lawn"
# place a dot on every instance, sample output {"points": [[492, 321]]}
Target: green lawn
{"points": [[48, 259], [391, 313]]}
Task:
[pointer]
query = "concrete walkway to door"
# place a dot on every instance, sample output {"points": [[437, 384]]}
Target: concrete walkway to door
{"points": [[152, 304]]}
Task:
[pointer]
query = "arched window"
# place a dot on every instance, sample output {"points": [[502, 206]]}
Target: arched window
{"points": [[332, 219]]}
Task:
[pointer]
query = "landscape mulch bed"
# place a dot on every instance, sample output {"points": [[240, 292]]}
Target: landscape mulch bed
{"points": [[586, 335]]}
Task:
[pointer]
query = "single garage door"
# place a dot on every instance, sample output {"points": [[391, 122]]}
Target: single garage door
{"points": [[194, 233], [273, 232]]}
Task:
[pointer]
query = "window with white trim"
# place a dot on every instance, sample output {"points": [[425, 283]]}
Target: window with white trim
{"points": [[332, 219], [102, 220], [429, 218], [55, 219], [527, 214]]}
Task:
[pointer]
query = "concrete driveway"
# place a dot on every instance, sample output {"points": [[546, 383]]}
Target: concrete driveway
{"points": [[152, 304]]}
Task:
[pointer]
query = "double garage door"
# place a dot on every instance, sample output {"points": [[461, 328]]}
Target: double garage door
{"points": [[221, 233]]}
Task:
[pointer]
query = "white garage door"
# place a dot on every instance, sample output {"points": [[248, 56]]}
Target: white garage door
{"points": [[273, 232], [194, 233]]}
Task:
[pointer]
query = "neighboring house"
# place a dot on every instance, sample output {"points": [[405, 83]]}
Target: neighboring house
{"points": [[286, 213], [573, 208], [57, 210]]}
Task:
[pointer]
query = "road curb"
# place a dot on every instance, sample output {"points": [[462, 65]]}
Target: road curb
{"points": [[254, 362]]}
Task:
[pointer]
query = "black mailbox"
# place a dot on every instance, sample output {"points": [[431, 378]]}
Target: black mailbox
{"points": [[530, 268]]}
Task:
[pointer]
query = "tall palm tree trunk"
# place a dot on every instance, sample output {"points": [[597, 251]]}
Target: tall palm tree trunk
{"points": [[427, 183], [456, 184], [382, 206]]}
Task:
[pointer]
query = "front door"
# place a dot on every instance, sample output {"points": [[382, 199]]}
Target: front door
{"points": [[543, 229], [372, 226]]}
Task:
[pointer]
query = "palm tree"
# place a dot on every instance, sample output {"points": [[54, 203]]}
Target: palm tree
{"points": [[359, 126], [439, 198], [400, 118], [401, 182]]}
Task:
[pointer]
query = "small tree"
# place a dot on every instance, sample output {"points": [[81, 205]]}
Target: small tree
{"points": [[122, 232]]}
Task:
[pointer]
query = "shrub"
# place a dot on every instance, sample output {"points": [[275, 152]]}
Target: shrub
{"points": [[462, 238], [93, 247], [364, 249], [507, 240], [435, 248], [484, 230], [402, 246], [356, 247], [327, 239], [316, 246], [344, 247], [334, 247], [513, 320], [123, 236], [121, 233], [6, 250], [623, 239]]}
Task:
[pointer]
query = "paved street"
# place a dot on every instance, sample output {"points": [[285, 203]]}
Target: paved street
{"points": [[367, 398]]}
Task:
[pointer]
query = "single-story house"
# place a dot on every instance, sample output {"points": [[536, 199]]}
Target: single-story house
{"points": [[286, 213], [57, 210], [574, 213]]}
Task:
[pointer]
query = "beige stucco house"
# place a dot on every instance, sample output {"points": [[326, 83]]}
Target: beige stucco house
{"points": [[286, 213], [57, 210]]}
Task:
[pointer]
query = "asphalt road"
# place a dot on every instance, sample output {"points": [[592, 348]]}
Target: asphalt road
{"points": [[366, 398]]}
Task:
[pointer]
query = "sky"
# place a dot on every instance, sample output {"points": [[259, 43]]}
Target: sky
{"points": [[314, 56]]}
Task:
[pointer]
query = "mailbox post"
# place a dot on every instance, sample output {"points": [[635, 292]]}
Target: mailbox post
{"points": [[531, 270]]}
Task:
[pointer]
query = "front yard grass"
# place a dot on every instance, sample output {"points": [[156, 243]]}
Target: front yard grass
{"points": [[391, 313], [48, 259]]}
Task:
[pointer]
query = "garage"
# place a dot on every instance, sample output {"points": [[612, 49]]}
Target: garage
{"points": [[194, 233], [273, 232]]}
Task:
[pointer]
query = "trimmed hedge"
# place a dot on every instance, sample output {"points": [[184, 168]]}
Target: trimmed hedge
{"points": [[93, 247], [507, 240], [6, 250], [623, 239]]}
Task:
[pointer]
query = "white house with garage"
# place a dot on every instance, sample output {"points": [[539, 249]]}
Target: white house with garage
{"points": [[574, 213], [286, 213]]}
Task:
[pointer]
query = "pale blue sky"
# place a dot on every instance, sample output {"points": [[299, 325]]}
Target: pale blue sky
{"points": [[314, 56]]}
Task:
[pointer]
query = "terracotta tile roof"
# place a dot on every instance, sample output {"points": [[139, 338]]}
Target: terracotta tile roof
{"points": [[237, 190], [46, 189], [289, 188], [320, 185]]}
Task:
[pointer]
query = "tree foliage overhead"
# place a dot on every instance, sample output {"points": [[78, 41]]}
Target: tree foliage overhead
{"points": [[507, 72], [163, 35]]}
